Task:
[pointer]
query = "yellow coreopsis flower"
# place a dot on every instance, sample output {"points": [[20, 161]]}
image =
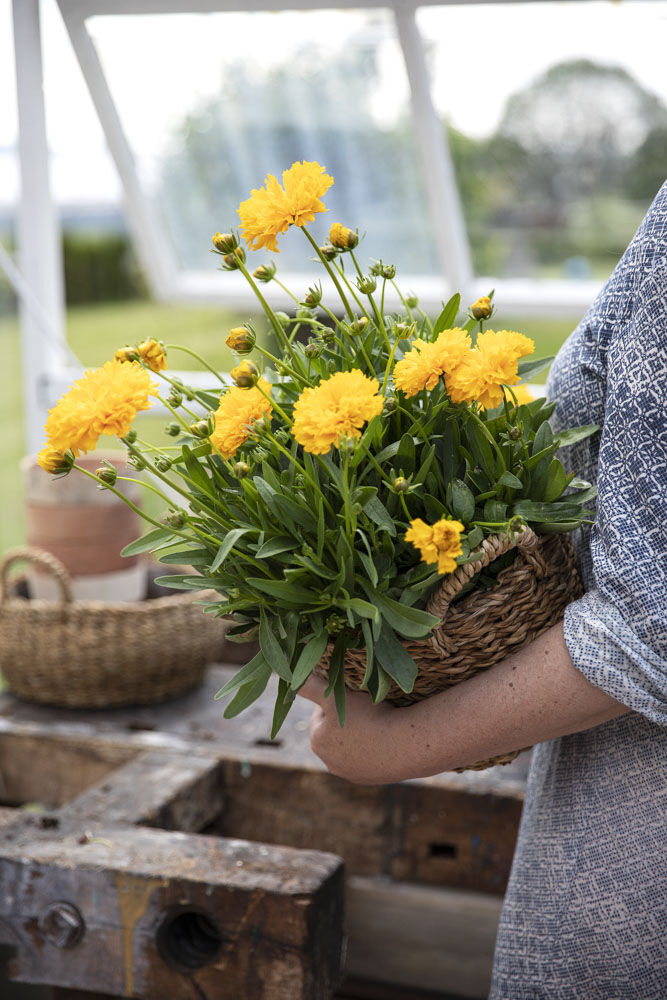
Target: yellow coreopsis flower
{"points": [[237, 412], [438, 543], [342, 238], [272, 209], [422, 366], [490, 365], [336, 408], [53, 461], [153, 354], [104, 401]]}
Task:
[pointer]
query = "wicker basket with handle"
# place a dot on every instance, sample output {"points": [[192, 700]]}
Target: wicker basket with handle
{"points": [[101, 654], [488, 624]]}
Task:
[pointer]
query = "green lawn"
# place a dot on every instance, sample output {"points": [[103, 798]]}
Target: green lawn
{"points": [[94, 334]]}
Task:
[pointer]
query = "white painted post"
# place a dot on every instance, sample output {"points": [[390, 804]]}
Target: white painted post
{"points": [[447, 217], [39, 243]]}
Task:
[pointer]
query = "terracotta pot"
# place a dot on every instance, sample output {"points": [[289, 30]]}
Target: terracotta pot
{"points": [[85, 528]]}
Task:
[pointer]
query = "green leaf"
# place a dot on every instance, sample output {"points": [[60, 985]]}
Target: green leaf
{"points": [[185, 557], [370, 645], [544, 437], [495, 511], [148, 542], [377, 512], [183, 581], [276, 545], [531, 510], [447, 317], [574, 434], [284, 700], [405, 456], [231, 538], [480, 448], [529, 368], [247, 673], [362, 608], [556, 481], [248, 693], [509, 479], [309, 657], [395, 659], [273, 651], [409, 622], [196, 471], [460, 500], [290, 593]]}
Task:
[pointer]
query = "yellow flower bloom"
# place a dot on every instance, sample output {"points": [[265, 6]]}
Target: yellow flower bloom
{"points": [[104, 401], [126, 354], [481, 309], [427, 362], [272, 209], [490, 365], [522, 393], [237, 411], [439, 543], [336, 408], [51, 460], [153, 354], [342, 238]]}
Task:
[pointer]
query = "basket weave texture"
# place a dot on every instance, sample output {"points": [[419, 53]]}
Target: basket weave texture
{"points": [[486, 625], [99, 654]]}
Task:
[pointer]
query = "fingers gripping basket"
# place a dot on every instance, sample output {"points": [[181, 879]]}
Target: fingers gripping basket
{"points": [[98, 654], [486, 625]]}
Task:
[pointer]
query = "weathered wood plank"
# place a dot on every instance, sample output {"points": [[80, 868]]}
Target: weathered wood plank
{"points": [[158, 789], [157, 914], [420, 938]]}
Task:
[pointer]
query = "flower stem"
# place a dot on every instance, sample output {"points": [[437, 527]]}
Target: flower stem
{"points": [[198, 357], [330, 270]]}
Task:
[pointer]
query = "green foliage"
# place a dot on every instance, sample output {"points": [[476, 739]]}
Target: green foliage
{"points": [[100, 267]]}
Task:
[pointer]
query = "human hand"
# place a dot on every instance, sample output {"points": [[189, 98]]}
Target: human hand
{"points": [[366, 750]]}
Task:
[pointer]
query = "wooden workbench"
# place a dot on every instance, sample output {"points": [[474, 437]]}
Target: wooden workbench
{"points": [[166, 852]]}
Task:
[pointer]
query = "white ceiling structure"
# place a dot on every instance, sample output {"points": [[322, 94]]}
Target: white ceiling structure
{"points": [[38, 277]]}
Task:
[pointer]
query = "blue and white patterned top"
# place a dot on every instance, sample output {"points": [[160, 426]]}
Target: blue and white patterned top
{"points": [[585, 914]]}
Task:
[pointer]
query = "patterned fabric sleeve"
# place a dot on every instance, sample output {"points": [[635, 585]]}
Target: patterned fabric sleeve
{"points": [[617, 633]]}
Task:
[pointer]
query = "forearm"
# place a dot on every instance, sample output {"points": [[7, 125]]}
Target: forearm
{"points": [[534, 695]]}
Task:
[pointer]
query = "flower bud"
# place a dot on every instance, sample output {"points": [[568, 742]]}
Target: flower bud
{"points": [[481, 309], [403, 330], [245, 374], [136, 461], [130, 437], [334, 624], [107, 474], [366, 285], [282, 317], [389, 271], [241, 340], [201, 429], [126, 354], [153, 355], [390, 404], [225, 242], [332, 366], [401, 484], [231, 260], [175, 397], [312, 349], [282, 435], [358, 326], [314, 296], [411, 301], [175, 518], [241, 470], [56, 463], [328, 251], [514, 433], [163, 463], [347, 445], [342, 238], [305, 313], [264, 272], [173, 429], [327, 335]]}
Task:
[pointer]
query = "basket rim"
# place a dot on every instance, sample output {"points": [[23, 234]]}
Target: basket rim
{"points": [[35, 605]]}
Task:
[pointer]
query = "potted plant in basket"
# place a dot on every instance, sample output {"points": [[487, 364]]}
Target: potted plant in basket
{"points": [[353, 495]]}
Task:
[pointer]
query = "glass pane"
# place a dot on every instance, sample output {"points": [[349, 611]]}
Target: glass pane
{"points": [[558, 126], [213, 103]]}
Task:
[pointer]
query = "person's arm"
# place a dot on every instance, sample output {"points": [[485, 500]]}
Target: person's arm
{"points": [[534, 695]]}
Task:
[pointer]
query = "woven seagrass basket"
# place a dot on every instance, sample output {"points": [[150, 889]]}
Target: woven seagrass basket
{"points": [[100, 654], [486, 625]]}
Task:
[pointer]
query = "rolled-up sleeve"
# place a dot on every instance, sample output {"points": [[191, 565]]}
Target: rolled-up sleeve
{"points": [[617, 632]]}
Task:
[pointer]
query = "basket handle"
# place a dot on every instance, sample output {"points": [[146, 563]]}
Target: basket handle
{"points": [[492, 547], [45, 559]]}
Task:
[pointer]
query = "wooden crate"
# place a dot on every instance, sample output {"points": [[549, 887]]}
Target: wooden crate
{"points": [[177, 854]]}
